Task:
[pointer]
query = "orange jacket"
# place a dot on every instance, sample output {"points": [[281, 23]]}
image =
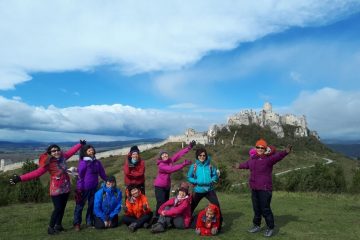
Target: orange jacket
{"points": [[136, 209]]}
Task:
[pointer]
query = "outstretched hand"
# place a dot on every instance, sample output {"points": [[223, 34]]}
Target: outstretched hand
{"points": [[187, 162], [192, 143], [15, 179], [288, 148], [82, 141], [236, 166]]}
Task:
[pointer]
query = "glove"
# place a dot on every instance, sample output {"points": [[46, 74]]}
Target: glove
{"points": [[197, 231], [125, 208], [187, 162], [15, 179], [78, 196], [82, 141], [192, 143], [145, 207], [214, 231]]}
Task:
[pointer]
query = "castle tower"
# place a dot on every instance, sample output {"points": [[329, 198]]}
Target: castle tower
{"points": [[267, 107]]}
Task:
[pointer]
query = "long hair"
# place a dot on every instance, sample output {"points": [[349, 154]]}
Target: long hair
{"points": [[83, 150]]}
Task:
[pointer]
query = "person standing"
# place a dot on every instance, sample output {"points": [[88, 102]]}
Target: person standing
{"points": [[54, 162], [134, 169], [89, 170], [260, 181], [203, 175]]}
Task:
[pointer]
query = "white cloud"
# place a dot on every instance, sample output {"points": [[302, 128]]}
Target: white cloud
{"points": [[105, 120], [183, 106], [331, 112], [48, 36]]}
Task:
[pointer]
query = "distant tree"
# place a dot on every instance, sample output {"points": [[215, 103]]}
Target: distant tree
{"points": [[355, 186]]}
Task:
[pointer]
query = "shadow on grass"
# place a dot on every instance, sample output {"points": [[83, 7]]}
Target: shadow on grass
{"points": [[283, 220], [229, 219]]}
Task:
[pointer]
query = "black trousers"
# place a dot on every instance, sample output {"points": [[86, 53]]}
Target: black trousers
{"points": [[99, 223], [261, 204], [139, 221], [59, 202], [161, 195], [211, 196]]}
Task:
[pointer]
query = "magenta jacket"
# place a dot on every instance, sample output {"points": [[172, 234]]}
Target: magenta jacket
{"points": [[261, 170], [165, 168], [178, 208]]}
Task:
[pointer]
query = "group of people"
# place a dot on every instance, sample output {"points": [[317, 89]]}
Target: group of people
{"points": [[105, 203]]}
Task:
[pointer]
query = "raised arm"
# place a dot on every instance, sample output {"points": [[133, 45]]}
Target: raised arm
{"points": [[69, 153], [173, 168]]}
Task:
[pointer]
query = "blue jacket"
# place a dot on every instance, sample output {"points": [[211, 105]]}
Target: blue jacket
{"points": [[204, 176], [107, 203]]}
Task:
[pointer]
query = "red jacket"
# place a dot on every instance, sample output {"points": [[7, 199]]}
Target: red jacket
{"points": [[205, 228], [134, 174], [59, 179], [181, 208]]}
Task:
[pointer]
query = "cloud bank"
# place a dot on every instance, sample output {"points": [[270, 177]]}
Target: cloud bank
{"points": [[50, 36]]}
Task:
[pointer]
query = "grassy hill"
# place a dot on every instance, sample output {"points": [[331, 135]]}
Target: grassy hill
{"points": [[297, 216]]}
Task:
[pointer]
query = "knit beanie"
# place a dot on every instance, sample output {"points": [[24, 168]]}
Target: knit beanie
{"points": [[162, 152], [212, 207], [134, 149], [261, 142]]}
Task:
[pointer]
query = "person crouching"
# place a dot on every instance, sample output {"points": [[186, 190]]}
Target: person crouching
{"points": [[107, 205], [137, 209], [176, 212], [208, 221]]}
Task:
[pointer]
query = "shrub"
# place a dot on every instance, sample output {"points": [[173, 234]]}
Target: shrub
{"points": [[224, 184], [355, 186], [31, 191], [7, 192], [320, 178]]}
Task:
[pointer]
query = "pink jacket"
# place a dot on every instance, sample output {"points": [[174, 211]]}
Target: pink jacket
{"points": [[59, 179], [181, 208], [165, 168]]}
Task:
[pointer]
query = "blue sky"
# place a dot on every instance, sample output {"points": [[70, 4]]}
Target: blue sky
{"points": [[122, 70]]}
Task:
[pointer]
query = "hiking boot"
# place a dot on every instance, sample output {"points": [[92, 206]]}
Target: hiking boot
{"points": [[132, 227], [268, 232], [77, 227], [254, 229], [52, 231], [146, 225], [157, 228], [59, 228]]}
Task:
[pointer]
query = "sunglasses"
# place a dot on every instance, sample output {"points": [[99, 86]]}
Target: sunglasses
{"points": [[57, 150], [202, 155], [257, 147]]}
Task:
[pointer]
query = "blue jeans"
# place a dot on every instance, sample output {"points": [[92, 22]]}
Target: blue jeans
{"points": [[86, 195]]}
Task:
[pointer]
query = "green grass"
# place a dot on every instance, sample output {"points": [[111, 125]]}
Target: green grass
{"points": [[297, 216]]}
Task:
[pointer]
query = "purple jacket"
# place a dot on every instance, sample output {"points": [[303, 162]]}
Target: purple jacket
{"points": [[165, 168], [89, 172], [261, 170]]}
